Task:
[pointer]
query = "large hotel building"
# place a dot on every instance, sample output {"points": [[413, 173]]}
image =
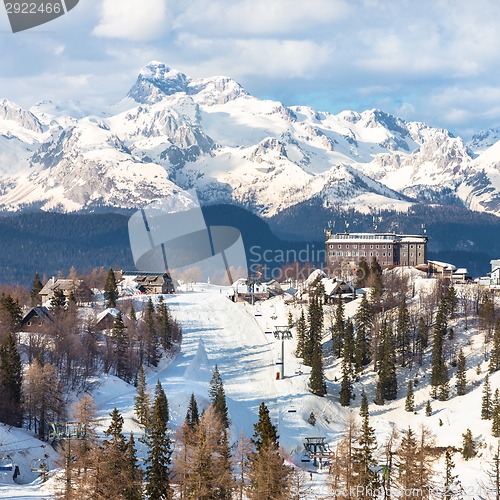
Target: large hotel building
{"points": [[345, 250]]}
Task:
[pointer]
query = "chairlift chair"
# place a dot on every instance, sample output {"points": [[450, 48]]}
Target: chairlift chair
{"points": [[6, 464], [39, 465]]}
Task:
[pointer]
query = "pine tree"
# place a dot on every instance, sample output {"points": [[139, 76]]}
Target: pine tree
{"points": [[495, 424], [290, 320], [133, 473], [36, 288], [269, 476], [410, 399], [58, 300], [152, 354], [428, 408], [422, 339], [11, 382], [403, 329], [468, 446], [364, 323], [338, 330], [161, 403], [363, 459], [315, 330], [439, 374], [218, 397], [317, 381], [142, 399], [301, 335], [164, 324], [461, 384], [120, 341], [346, 392], [387, 383], [159, 452], [110, 290], [495, 351], [192, 415], [363, 273], [486, 408], [265, 433], [13, 311]]}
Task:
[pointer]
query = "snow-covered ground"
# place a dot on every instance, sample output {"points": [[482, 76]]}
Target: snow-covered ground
{"points": [[238, 338]]}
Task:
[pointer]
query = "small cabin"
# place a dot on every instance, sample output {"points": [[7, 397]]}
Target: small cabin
{"points": [[36, 320], [155, 283]]}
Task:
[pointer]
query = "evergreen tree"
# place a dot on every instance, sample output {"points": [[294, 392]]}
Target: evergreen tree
{"points": [[164, 324], [495, 424], [301, 335], [152, 354], [141, 399], [11, 382], [315, 330], [36, 288], [159, 452], [486, 409], [468, 446], [269, 476], [218, 397], [364, 323], [161, 403], [192, 415], [13, 312], [410, 399], [290, 320], [428, 408], [364, 460], [422, 339], [133, 473], [265, 433], [495, 351], [403, 329], [110, 290], [387, 383], [461, 384], [58, 300], [363, 273], [317, 381], [346, 382], [120, 341], [338, 330], [439, 374]]}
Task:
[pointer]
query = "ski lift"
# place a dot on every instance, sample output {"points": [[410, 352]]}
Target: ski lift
{"points": [[6, 464], [39, 465]]}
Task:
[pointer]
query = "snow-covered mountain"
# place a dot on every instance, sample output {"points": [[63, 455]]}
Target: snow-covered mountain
{"points": [[172, 132]]}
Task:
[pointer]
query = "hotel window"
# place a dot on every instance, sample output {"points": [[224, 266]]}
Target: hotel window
{"points": [[347, 246], [362, 246], [377, 254], [371, 246], [383, 254], [389, 254], [331, 246], [340, 254], [340, 246], [354, 254], [377, 246], [419, 254], [371, 254]]}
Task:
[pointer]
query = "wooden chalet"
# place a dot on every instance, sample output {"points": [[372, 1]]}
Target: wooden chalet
{"points": [[155, 283], [36, 320], [79, 288], [106, 319]]}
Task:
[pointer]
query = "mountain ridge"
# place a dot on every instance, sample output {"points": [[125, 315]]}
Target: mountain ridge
{"points": [[172, 132]]}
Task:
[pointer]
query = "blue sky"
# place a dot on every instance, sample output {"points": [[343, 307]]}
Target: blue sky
{"points": [[428, 60]]}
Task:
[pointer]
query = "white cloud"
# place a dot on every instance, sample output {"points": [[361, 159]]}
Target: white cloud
{"points": [[132, 19]]}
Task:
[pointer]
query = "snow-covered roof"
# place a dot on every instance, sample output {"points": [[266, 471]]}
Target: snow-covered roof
{"points": [[445, 265], [110, 310], [314, 276]]}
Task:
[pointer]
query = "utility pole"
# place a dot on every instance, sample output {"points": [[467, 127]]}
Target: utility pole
{"points": [[282, 333]]}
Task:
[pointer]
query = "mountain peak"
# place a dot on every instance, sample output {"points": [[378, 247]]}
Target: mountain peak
{"points": [[155, 81]]}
